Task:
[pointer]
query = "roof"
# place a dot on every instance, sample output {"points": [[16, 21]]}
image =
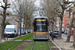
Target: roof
{"points": [[40, 17], [10, 26]]}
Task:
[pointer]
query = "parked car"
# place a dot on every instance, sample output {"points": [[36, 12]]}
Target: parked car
{"points": [[63, 31], [28, 31], [66, 32], [25, 31], [55, 33], [22, 32], [10, 31]]}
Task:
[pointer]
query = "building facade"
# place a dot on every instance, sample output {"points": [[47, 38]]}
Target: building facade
{"points": [[12, 18], [66, 21]]}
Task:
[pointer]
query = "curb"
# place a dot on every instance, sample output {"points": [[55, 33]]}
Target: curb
{"points": [[56, 45]]}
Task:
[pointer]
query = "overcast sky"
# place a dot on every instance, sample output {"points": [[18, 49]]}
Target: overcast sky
{"points": [[37, 3]]}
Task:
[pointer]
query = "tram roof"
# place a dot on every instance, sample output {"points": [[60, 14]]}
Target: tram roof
{"points": [[40, 17]]}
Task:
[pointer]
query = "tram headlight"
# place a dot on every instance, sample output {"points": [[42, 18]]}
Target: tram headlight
{"points": [[46, 32], [34, 33]]}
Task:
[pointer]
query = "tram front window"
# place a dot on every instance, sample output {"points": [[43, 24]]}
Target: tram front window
{"points": [[40, 28]]}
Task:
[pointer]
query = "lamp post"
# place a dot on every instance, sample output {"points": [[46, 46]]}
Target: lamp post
{"points": [[20, 19], [0, 24]]}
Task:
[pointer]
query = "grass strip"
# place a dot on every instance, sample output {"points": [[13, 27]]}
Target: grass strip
{"points": [[15, 48], [29, 46], [25, 37], [4, 43], [41, 45], [51, 45], [10, 44]]}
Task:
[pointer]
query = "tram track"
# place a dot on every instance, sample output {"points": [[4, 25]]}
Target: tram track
{"points": [[20, 42], [33, 45], [48, 45], [46, 42], [16, 40]]}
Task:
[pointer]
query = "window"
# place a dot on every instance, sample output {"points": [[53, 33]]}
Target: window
{"points": [[14, 17], [63, 20], [8, 21], [11, 20], [11, 16], [62, 24], [14, 21], [7, 17]]}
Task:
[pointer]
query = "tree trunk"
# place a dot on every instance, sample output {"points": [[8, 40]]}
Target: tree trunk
{"points": [[74, 38], [60, 28], [69, 31], [3, 23]]}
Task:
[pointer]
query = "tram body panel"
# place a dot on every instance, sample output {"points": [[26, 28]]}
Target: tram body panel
{"points": [[40, 33]]}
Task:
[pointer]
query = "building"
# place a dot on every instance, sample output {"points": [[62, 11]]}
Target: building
{"points": [[66, 21], [11, 18]]}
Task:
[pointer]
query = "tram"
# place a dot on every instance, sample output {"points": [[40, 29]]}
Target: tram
{"points": [[40, 28]]}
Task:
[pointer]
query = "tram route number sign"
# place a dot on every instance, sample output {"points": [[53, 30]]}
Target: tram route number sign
{"points": [[40, 20]]}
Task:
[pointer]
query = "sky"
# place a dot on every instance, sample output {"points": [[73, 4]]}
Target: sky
{"points": [[37, 3], [9, 9]]}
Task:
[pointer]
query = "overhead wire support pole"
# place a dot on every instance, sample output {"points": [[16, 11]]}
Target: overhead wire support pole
{"points": [[20, 19]]}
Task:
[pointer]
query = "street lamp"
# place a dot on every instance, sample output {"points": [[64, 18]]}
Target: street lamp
{"points": [[20, 19]]}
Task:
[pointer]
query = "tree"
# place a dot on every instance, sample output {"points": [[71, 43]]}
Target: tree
{"points": [[16, 10], [70, 24], [69, 31], [73, 23], [50, 11], [4, 17], [27, 13], [27, 9], [56, 8], [63, 7], [74, 36]]}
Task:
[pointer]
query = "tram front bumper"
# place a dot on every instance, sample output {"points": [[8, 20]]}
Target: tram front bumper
{"points": [[40, 37]]}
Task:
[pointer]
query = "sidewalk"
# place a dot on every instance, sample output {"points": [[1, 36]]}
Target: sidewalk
{"points": [[64, 45]]}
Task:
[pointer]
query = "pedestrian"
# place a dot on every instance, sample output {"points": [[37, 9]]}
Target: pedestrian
{"points": [[52, 36]]}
